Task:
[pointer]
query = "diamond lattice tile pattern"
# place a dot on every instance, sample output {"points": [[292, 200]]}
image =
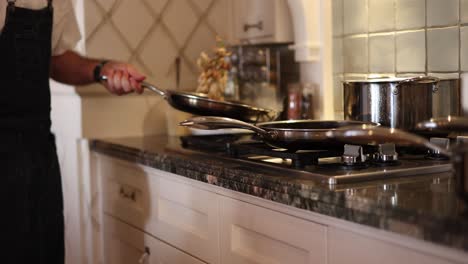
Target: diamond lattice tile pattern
{"points": [[151, 34]]}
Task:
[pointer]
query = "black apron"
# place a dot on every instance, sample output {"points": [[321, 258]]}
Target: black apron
{"points": [[32, 219]]}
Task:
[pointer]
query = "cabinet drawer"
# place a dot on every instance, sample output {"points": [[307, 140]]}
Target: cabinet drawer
{"points": [[252, 234], [124, 244], [125, 191], [175, 212]]}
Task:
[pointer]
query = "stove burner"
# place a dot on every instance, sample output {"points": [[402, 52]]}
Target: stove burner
{"points": [[361, 162]]}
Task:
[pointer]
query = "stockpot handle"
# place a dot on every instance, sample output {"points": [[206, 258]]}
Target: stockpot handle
{"points": [[366, 134], [419, 79], [149, 86], [215, 122], [449, 124]]}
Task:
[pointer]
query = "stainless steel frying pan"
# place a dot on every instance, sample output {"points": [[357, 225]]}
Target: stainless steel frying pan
{"points": [[291, 134], [200, 104]]}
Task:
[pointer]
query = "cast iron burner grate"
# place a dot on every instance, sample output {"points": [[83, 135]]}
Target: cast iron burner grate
{"points": [[245, 146]]}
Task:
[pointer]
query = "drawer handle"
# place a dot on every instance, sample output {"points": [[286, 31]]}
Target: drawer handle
{"points": [[144, 258], [128, 195], [258, 25]]}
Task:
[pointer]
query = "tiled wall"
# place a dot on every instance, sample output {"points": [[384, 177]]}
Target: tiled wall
{"points": [[398, 37], [152, 33]]}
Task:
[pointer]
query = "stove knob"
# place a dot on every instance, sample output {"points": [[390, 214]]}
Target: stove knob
{"points": [[441, 142], [353, 155], [386, 154]]}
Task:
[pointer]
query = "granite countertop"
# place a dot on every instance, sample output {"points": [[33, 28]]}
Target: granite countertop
{"points": [[425, 207]]}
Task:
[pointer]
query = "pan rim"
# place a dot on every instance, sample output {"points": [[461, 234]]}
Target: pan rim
{"points": [[201, 96], [264, 125]]}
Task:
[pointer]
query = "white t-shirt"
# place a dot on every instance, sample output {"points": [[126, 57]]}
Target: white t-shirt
{"points": [[65, 33]]}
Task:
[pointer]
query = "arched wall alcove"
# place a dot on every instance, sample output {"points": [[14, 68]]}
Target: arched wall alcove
{"points": [[312, 23]]}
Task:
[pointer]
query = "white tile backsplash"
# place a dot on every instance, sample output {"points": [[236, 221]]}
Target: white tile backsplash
{"points": [[410, 14], [442, 76], [411, 51], [355, 17], [337, 6], [382, 53], [464, 48], [464, 11], [381, 15], [338, 55], [356, 54], [442, 49], [442, 13]]}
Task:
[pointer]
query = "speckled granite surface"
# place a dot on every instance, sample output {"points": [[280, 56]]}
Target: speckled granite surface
{"points": [[425, 207]]}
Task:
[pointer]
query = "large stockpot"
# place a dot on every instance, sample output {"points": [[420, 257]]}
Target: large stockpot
{"points": [[401, 102]]}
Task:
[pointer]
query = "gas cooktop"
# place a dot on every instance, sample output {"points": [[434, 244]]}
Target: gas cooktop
{"points": [[337, 165]]}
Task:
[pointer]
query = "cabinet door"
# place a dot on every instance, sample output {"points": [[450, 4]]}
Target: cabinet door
{"points": [[345, 247], [124, 244], [186, 217], [254, 19], [252, 234]]}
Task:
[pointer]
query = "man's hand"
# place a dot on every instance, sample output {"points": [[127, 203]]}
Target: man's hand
{"points": [[72, 68], [122, 78]]}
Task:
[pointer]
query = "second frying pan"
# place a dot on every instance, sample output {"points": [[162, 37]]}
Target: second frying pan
{"points": [[291, 135]]}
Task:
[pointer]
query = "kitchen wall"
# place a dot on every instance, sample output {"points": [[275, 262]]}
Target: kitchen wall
{"points": [[150, 34], [398, 38]]}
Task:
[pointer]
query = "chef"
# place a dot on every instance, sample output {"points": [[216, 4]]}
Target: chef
{"points": [[35, 43]]}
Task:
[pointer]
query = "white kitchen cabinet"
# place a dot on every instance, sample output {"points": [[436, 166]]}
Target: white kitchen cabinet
{"points": [[252, 234], [262, 21], [182, 221], [175, 212], [123, 244], [345, 247]]}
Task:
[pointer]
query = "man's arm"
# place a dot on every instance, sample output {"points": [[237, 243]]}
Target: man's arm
{"points": [[72, 68]]}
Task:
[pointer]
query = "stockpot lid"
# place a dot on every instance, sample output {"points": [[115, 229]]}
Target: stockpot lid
{"points": [[415, 79]]}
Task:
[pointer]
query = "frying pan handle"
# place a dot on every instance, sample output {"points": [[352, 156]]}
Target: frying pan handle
{"points": [[145, 85], [214, 122], [445, 124], [377, 135]]}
